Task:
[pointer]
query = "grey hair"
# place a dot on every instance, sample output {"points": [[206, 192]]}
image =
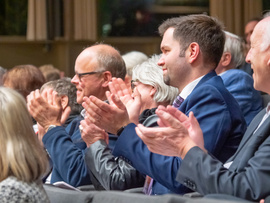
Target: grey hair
{"points": [[234, 45], [132, 59], [150, 73], [64, 86]]}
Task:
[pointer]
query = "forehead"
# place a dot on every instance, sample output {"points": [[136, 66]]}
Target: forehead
{"points": [[168, 39], [256, 36], [86, 61], [250, 26]]}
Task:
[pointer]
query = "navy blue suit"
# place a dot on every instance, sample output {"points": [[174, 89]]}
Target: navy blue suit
{"points": [[67, 150], [240, 85], [222, 124]]}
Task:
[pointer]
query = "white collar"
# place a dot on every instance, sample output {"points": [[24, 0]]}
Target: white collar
{"points": [[189, 88]]}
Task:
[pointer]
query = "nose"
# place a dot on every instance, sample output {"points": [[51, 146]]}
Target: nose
{"points": [[248, 56], [161, 61], [75, 80]]}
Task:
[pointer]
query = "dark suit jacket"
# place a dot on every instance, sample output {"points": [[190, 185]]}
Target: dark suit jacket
{"points": [[248, 176], [66, 150], [222, 123]]}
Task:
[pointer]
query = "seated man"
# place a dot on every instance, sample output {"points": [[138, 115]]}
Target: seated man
{"points": [[113, 173], [239, 83], [191, 49], [94, 69], [247, 173]]}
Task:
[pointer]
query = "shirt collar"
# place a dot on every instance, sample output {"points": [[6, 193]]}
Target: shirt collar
{"points": [[189, 88]]}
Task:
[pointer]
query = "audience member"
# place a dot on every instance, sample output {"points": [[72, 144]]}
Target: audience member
{"points": [[94, 69], [50, 72], [249, 27], [191, 49], [2, 72], [23, 162], [67, 91], [24, 79], [247, 173], [113, 172], [239, 83], [132, 59]]}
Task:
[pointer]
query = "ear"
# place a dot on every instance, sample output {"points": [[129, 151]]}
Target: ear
{"points": [[107, 77], [64, 101], [153, 91], [193, 52], [226, 59]]}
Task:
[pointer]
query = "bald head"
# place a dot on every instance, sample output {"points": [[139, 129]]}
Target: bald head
{"points": [[108, 59]]}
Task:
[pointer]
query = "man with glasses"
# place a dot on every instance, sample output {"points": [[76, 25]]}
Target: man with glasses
{"points": [[94, 68]]}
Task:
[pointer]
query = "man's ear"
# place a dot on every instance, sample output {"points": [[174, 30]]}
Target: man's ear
{"points": [[64, 101], [193, 52], [226, 59], [107, 77]]}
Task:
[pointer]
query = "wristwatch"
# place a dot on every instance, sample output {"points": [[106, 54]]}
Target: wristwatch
{"points": [[51, 127]]}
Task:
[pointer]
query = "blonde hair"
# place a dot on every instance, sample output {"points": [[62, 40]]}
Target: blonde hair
{"points": [[21, 154]]}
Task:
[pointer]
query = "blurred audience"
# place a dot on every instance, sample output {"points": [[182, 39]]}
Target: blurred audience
{"points": [[50, 72], [249, 27], [23, 161], [24, 79], [2, 72], [132, 59]]}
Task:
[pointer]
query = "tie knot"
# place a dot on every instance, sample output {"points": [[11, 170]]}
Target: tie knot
{"points": [[178, 101]]}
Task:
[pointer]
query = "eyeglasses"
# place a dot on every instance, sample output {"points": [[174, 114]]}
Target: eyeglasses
{"points": [[87, 73], [133, 84]]}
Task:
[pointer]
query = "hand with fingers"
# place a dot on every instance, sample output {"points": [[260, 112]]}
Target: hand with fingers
{"points": [[175, 136], [131, 101], [46, 108], [91, 133], [109, 117]]}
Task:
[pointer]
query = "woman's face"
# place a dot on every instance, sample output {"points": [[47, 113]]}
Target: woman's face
{"points": [[147, 93]]}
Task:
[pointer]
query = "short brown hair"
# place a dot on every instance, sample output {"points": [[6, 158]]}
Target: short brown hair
{"points": [[202, 29], [24, 79]]}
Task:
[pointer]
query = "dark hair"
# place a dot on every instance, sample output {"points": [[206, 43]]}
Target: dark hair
{"points": [[111, 60], [64, 86], [24, 79], [202, 29]]}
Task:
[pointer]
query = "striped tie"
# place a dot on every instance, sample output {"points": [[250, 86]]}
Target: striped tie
{"points": [[177, 102]]}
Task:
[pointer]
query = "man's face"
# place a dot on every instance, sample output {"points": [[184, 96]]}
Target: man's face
{"points": [[174, 66], [259, 56], [249, 29], [87, 84]]}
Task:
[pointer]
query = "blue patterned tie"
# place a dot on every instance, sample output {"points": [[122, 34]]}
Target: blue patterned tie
{"points": [[177, 102]]}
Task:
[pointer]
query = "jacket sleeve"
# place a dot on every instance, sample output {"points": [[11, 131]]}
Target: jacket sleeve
{"points": [[67, 157], [113, 173], [206, 175]]}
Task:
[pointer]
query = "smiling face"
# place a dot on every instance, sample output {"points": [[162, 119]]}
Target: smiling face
{"points": [[174, 66], [259, 57], [88, 84]]}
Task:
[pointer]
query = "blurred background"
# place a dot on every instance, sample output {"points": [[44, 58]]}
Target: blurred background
{"points": [[55, 31]]}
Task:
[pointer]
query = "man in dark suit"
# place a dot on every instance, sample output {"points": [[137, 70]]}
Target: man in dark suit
{"points": [[189, 58], [247, 173]]}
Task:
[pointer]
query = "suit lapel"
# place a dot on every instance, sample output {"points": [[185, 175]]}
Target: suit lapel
{"points": [[251, 144]]}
